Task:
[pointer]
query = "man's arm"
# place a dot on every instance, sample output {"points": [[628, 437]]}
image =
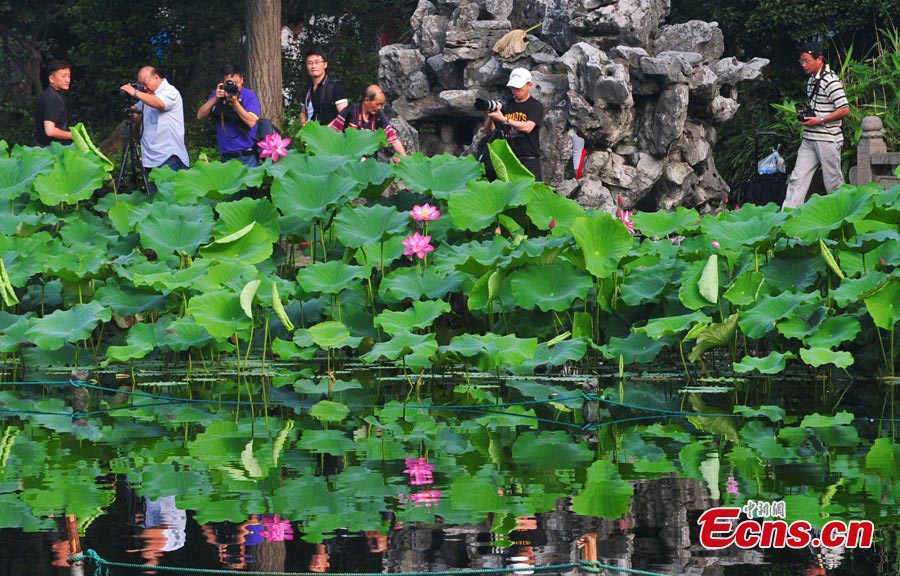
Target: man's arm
{"points": [[207, 107], [52, 131], [247, 117], [836, 115], [340, 96], [148, 99]]}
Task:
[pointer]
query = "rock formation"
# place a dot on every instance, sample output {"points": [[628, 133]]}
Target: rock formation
{"points": [[645, 96]]}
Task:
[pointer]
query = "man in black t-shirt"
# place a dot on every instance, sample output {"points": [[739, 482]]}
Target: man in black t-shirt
{"points": [[51, 123], [325, 97], [518, 122]]}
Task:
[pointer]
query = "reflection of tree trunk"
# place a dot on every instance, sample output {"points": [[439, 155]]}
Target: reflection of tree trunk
{"points": [[269, 556], [264, 55]]}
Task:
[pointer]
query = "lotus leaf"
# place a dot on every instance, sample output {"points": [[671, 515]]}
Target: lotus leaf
{"points": [[853, 289], [822, 214], [234, 216], [636, 348], [77, 323], [745, 288], [329, 335], [833, 332], [232, 275], [279, 310], [220, 313], [329, 411], [661, 223], [364, 225], [309, 196], [421, 315], [817, 356], [213, 180], [546, 206], [179, 229], [352, 143], [884, 458], [773, 413], [605, 493], [604, 241], [184, 334], [73, 178], [82, 141], [18, 173], [714, 335], [646, 283], [550, 451], [486, 290], [247, 295], [671, 325], [689, 291], [750, 226], [757, 321], [506, 164], [441, 175], [318, 442], [553, 287], [249, 245], [24, 257], [412, 283], [128, 301], [329, 277], [557, 355], [805, 319], [477, 206], [415, 350], [774, 363], [373, 176], [305, 164], [708, 285], [882, 305], [13, 331], [496, 350]]}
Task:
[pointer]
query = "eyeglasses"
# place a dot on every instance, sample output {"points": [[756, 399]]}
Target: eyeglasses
{"points": [[314, 62], [807, 60]]}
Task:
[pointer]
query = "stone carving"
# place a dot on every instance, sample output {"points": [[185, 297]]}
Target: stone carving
{"points": [[646, 95]]}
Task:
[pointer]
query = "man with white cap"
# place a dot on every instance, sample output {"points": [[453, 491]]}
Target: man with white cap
{"points": [[518, 121]]}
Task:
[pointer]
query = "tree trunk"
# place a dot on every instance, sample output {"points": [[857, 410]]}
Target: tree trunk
{"points": [[264, 55]]}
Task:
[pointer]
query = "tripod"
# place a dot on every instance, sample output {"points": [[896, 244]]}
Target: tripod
{"points": [[131, 157]]}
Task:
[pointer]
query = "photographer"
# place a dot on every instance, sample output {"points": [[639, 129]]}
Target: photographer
{"points": [[235, 110], [162, 139], [518, 121], [51, 122], [821, 120]]}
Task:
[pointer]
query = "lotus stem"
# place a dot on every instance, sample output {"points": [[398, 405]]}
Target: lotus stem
{"points": [[322, 239]]}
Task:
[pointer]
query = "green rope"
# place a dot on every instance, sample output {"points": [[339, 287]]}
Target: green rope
{"points": [[101, 567]]}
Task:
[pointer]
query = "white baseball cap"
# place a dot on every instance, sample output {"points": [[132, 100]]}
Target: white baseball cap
{"points": [[518, 78]]}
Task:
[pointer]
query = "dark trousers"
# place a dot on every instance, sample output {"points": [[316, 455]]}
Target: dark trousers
{"points": [[173, 162]]}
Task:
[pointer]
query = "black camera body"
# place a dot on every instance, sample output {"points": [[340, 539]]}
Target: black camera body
{"points": [[805, 114], [139, 86], [230, 87], [487, 105]]}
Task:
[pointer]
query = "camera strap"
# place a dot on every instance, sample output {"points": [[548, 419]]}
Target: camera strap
{"points": [[811, 102]]}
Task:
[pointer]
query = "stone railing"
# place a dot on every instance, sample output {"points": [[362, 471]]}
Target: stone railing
{"points": [[873, 162]]}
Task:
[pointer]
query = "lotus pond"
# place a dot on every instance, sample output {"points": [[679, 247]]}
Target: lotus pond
{"points": [[281, 368]]}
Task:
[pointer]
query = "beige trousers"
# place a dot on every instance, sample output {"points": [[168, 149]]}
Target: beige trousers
{"points": [[812, 153]]}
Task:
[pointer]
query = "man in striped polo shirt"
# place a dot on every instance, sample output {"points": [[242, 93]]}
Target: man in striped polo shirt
{"points": [[822, 136]]}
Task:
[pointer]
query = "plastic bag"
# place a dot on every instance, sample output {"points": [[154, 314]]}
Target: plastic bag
{"points": [[771, 164]]}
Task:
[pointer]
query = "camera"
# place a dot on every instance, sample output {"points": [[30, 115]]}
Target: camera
{"points": [[139, 86], [805, 114], [230, 87], [487, 105]]}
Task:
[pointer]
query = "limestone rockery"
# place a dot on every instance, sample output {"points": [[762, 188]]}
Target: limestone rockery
{"points": [[645, 96]]}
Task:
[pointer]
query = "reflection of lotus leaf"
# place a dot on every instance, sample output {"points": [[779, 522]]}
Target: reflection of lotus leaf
{"points": [[605, 493]]}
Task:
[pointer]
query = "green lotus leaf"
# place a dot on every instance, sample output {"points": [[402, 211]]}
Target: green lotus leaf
{"points": [[126, 300], [882, 305], [82, 141], [773, 413], [645, 283], [13, 331], [71, 490], [220, 313], [747, 227], [76, 263], [329, 277], [329, 335], [718, 334], [605, 493], [689, 291], [414, 349], [817, 420], [550, 451], [213, 180], [160, 277], [364, 225], [73, 178], [661, 223], [184, 334], [127, 353], [495, 350], [833, 332], [234, 216], [604, 241], [295, 163], [884, 458], [53, 331], [329, 411], [546, 206], [247, 294], [553, 287], [556, 355], [179, 229], [708, 285], [309, 196], [672, 325], [784, 274], [804, 319], [852, 289], [373, 176], [232, 275], [249, 245], [822, 214], [352, 143], [441, 175], [18, 173], [745, 288], [506, 163], [757, 321], [371, 254], [818, 356], [411, 283], [477, 206], [24, 257], [636, 348], [421, 315], [774, 363]]}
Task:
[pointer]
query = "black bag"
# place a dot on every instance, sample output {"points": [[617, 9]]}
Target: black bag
{"points": [[760, 189], [264, 127]]}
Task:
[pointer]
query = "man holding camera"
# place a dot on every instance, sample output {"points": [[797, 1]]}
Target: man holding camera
{"points": [[235, 110], [326, 97], [821, 119], [162, 136], [518, 121], [51, 123]]}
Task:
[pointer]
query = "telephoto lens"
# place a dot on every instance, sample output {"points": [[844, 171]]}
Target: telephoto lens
{"points": [[487, 105]]}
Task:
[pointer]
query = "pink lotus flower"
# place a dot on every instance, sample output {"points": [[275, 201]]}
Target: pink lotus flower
{"points": [[277, 529], [418, 245], [426, 497], [716, 244], [497, 230], [624, 215], [419, 470], [552, 224], [275, 146], [731, 486], [425, 212]]}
